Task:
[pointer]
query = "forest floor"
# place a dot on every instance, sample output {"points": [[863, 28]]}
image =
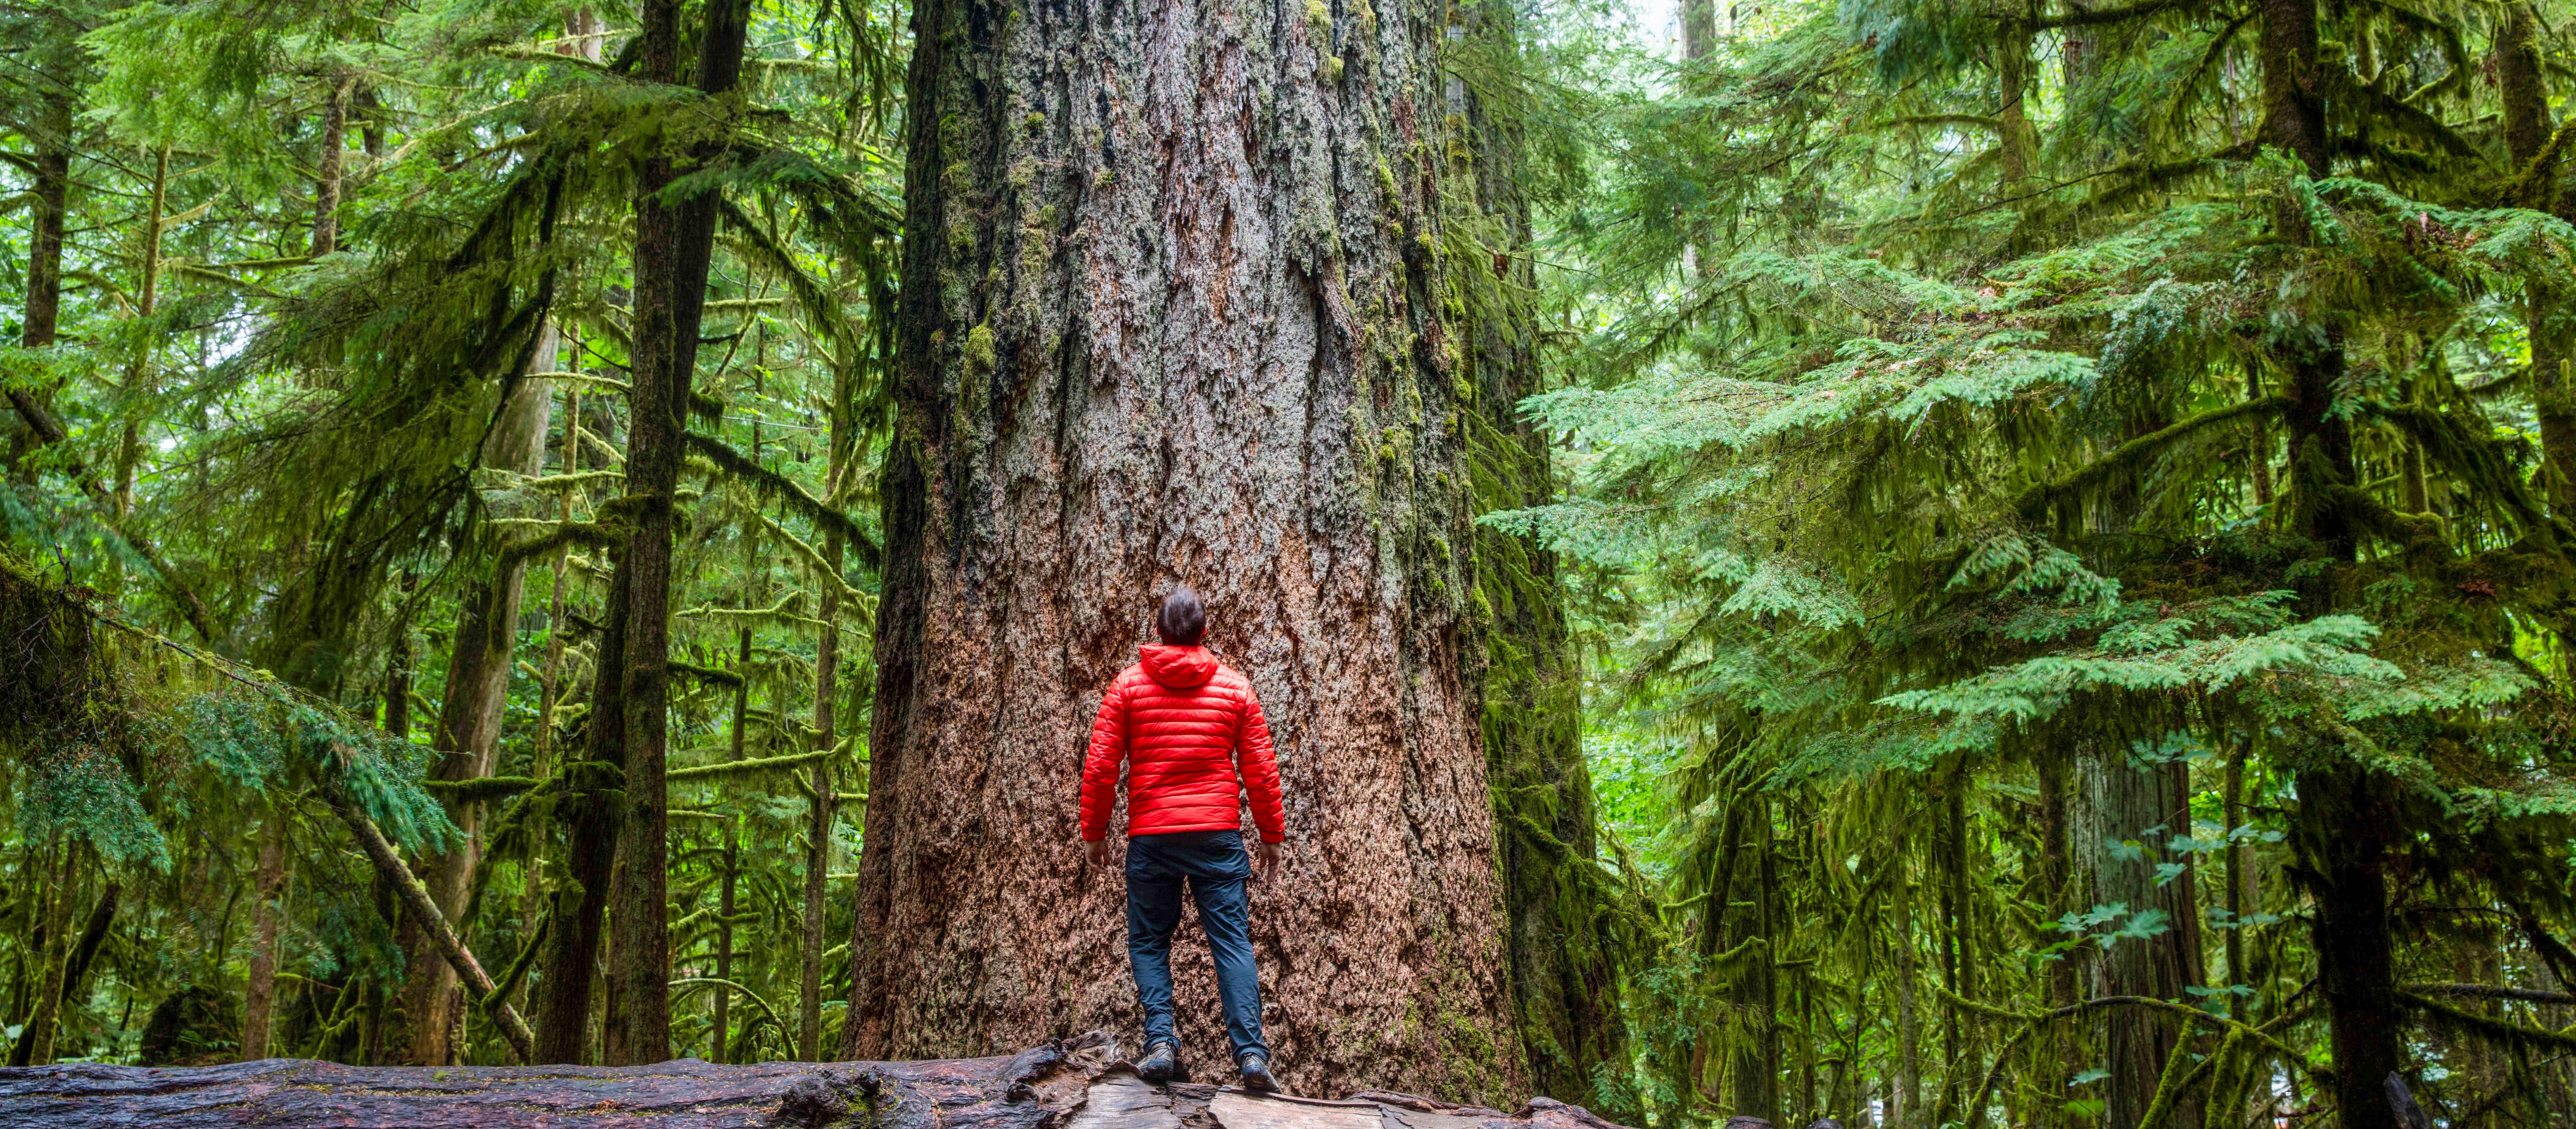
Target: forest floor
{"points": [[1078, 1084]]}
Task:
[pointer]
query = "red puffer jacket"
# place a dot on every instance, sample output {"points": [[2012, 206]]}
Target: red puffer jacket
{"points": [[1183, 723]]}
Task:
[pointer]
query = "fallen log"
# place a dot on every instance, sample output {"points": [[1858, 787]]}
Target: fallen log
{"points": [[1076, 1084]]}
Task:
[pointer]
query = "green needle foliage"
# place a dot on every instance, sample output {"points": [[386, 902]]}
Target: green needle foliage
{"points": [[319, 262]]}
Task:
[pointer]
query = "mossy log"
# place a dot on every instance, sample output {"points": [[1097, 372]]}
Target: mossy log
{"points": [[1079, 1084]]}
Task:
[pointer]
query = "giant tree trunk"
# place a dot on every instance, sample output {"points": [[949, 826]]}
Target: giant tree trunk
{"points": [[1173, 311], [673, 244], [2127, 803], [1077, 1085], [469, 722]]}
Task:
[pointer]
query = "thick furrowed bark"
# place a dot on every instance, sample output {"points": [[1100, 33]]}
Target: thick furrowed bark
{"points": [[1173, 310]]}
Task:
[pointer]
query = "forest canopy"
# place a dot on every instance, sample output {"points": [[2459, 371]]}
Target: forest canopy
{"points": [[1913, 562]]}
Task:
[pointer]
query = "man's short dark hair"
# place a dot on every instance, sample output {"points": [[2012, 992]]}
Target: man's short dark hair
{"points": [[1183, 620]]}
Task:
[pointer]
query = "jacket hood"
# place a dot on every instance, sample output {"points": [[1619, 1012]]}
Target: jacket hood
{"points": [[1177, 667]]}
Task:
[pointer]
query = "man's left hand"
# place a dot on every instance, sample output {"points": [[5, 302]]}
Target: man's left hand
{"points": [[1268, 867], [1096, 852]]}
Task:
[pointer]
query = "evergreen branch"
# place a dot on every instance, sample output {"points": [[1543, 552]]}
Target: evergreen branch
{"points": [[817, 303], [746, 767], [2489, 1027], [2212, 58], [1979, 121], [705, 673], [753, 996], [2127, 456], [2491, 992], [2394, 112], [425, 911], [48, 432], [772, 483], [2096, 17], [2470, 455], [480, 788], [600, 445], [2535, 186], [568, 481], [584, 378], [2151, 1003], [596, 534], [519, 966], [814, 559]]}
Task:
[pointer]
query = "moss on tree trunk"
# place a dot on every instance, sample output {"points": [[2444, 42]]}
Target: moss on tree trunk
{"points": [[1176, 307]]}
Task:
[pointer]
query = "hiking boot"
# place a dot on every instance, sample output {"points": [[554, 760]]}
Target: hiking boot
{"points": [[1162, 1057], [1256, 1074]]}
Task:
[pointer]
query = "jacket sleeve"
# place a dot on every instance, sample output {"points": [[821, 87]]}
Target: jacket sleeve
{"points": [[1100, 766], [1260, 769]]}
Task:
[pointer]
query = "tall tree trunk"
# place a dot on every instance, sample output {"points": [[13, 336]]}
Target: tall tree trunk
{"points": [[591, 831], [2351, 929], [819, 825], [1172, 310], [469, 720], [326, 177], [720, 1020], [1699, 28], [2057, 879], [2132, 809], [147, 291], [50, 205], [1752, 991], [2238, 875], [1904, 1109], [2522, 86], [541, 761], [397, 708], [84, 950], [2019, 143], [259, 997], [1527, 684], [673, 244], [2343, 827], [35, 1046]]}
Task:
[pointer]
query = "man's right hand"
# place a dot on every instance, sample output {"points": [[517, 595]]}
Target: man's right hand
{"points": [[1097, 852]]}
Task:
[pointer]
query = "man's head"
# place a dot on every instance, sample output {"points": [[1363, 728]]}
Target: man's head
{"points": [[1183, 620]]}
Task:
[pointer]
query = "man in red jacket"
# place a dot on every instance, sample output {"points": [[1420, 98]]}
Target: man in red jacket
{"points": [[1185, 725]]}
